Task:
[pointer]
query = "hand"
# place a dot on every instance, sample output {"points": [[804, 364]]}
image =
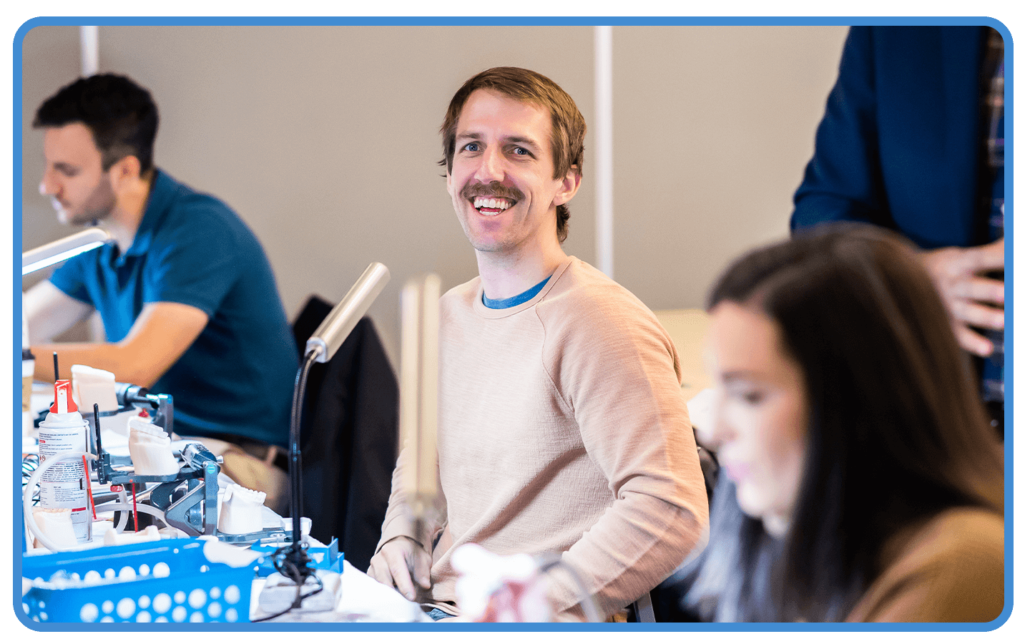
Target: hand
{"points": [[398, 562], [958, 275]]}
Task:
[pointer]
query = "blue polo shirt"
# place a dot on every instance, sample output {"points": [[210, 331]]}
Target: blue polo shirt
{"points": [[237, 376]]}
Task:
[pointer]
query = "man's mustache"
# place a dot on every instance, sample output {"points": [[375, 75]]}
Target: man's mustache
{"points": [[494, 189]]}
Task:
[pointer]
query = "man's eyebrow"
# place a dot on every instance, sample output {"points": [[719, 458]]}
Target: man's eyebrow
{"points": [[522, 141], [65, 167], [468, 135]]}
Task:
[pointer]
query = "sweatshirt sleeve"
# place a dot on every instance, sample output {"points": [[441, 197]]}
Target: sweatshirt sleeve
{"points": [[617, 370], [398, 521]]}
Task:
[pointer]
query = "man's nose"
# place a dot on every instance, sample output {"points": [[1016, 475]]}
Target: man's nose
{"points": [[47, 185], [491, 167]]}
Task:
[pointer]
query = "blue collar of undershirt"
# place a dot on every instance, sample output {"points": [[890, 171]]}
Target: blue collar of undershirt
{"points": [[507, 303]]}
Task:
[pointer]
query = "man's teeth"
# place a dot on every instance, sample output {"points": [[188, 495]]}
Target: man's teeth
{"points": [[494, 204]]}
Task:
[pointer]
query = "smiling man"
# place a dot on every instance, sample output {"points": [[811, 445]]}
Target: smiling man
{"points": [[561, 425], [186, 294]]}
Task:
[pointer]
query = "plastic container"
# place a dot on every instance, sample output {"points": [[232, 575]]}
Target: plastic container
{"points": [[166, 581]]}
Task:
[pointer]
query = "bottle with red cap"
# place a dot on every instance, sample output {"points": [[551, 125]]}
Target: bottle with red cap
{"points": [[64, 485]]}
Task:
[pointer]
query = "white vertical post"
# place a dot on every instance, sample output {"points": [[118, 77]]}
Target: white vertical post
{"points": [[89, 40], [603, 145], [410, 375], [428, 392], [420, 331]]}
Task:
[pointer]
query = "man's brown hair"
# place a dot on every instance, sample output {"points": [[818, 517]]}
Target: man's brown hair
{"points": [[568, 127]]}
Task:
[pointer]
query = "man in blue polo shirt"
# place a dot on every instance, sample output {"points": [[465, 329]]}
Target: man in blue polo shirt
{"points": [[186, 294]]}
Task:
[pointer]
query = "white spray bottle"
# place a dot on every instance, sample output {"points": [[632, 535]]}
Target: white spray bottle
{"points": [[64, 485]]}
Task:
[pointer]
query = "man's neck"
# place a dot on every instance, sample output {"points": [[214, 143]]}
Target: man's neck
{"points": [[125, 218], [508, 274]]}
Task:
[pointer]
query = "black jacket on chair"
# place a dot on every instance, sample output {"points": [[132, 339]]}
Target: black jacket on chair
{"points": [[349, 445]]}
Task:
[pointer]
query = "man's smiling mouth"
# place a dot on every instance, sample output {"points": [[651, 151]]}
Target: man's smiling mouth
{"points": [[491, 205], [491, 199]]}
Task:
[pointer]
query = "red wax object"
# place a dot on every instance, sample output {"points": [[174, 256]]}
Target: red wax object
{"points": [[89, 488]]}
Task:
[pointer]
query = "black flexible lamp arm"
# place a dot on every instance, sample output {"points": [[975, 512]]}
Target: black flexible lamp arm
{"points": [[299, 387]]}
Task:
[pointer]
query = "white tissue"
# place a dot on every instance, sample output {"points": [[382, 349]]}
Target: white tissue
{"points": [[90, 386], [150, 449], [218, 552], [56, 524], [366, 600], [240, 511]]}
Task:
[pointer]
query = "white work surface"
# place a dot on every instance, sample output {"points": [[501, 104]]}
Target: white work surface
{"points": [[359, 598]]}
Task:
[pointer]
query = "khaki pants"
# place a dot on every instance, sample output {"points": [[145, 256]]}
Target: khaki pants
{"points": [[242, 465]]}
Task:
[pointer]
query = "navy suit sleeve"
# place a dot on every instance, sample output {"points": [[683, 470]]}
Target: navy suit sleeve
{"points": [[844, 181]]}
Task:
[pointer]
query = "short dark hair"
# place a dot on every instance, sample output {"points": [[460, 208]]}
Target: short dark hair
{"points": [[896, 432], [121, 115], [568, 127]]}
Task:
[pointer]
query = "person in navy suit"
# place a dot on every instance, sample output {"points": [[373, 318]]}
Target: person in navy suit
{"points": [[913, 140]]}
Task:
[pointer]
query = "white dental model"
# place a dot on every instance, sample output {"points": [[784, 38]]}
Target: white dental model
{"points": [[90, 386], [150, 448], [240, 511], [56, 524]]}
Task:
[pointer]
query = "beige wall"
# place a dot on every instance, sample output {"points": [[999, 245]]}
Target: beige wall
{"points": [[324, 140]]}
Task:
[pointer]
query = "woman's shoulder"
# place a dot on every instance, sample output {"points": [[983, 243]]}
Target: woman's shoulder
{"points": [[952, 533], [949, 568]]}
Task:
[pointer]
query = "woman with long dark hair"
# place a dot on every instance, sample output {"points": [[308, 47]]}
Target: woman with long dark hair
{"points": [[860, 478]]}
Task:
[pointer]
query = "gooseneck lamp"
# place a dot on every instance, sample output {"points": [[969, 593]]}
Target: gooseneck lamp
{"points": [[321, 347]]}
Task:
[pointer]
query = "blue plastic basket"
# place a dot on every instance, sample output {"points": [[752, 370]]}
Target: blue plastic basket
{"points": [[160, 581]]}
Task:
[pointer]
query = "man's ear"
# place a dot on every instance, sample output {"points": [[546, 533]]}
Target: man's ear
{"points": [[124, 172], [569, 187]]}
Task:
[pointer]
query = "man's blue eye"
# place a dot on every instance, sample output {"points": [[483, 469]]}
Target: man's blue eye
{"points": [[471, 147], [521, 151]]}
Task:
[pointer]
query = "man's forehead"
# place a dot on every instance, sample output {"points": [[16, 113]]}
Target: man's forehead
{"points": [[73, 141], [516, 118]]}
